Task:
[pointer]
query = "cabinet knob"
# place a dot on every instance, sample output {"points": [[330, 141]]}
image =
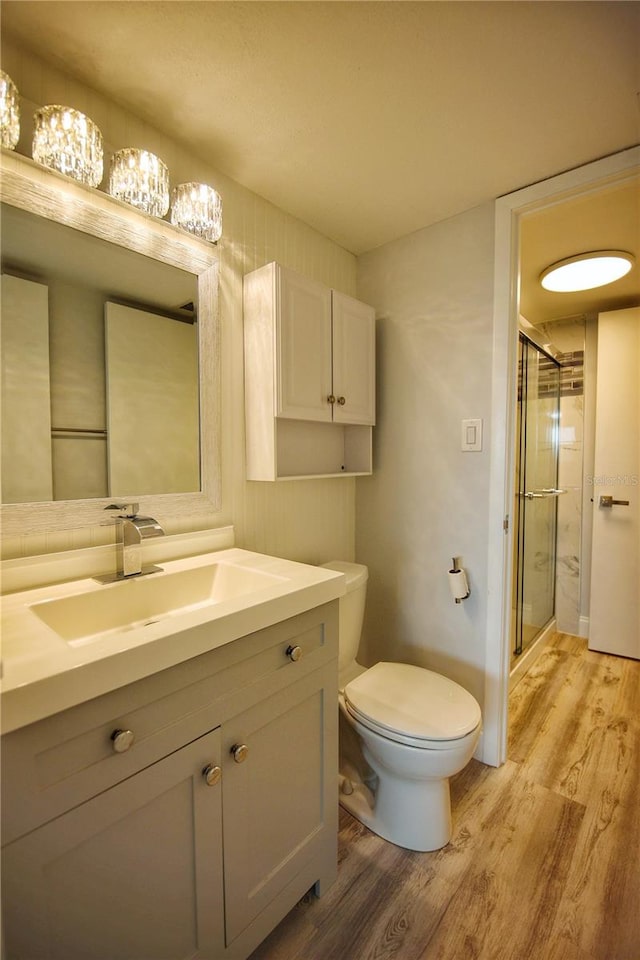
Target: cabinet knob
{"points": [[212, 773], [341, 401], [239, 752], [122, 740], [294, 653], [331, 398]]}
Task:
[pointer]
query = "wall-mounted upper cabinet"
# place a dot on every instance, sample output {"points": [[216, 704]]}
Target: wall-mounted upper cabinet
{"points": [[309, 377], [325, 345]]}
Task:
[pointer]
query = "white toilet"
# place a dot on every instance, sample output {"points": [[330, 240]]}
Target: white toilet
{"points": [[404, 731]]}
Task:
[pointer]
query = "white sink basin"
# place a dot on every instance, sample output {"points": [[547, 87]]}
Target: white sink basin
{"points": [[71, 639], [129, 604]]}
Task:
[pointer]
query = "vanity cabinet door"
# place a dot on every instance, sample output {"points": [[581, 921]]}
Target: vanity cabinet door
{"points": [[280, 801], [136, 872]]}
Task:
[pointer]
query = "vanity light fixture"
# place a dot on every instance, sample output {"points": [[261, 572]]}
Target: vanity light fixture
{"points": [[68, 141], [197, 208], [9, 112], [141, 179], [585, 271]]}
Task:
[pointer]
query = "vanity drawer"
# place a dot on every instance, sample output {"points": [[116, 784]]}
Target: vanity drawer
{"points": [[57, 763]]}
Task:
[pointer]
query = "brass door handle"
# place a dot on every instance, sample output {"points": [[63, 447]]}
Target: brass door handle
{"points": [[609, 502]]}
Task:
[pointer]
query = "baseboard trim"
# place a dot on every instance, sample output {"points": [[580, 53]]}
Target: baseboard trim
{"points": [[583, 627], [479, 752], [526, 660]]}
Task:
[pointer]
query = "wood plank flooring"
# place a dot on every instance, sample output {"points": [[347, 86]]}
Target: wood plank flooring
{"points": [[544, 863]]}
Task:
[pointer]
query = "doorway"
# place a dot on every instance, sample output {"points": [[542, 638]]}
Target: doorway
{"points": [[509, 210]]}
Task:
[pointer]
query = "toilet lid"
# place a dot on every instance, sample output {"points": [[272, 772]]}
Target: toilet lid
{"points": [[413, 701]]}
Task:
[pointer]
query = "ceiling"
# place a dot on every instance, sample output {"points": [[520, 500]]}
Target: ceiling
{"points": [[367, 120]]}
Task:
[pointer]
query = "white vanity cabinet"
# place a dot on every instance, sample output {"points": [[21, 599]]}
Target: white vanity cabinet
{"points": [[133, 872], [309, 377], [196, 840]]}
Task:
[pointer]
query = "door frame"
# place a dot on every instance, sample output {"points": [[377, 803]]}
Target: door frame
{"points": [[508, 213]]}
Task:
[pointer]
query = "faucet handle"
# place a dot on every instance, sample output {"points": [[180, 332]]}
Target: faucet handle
{"points": [[126, 509]]}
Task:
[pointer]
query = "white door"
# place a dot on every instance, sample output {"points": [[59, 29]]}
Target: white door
{"points": [[304, 348], [353, 360], [614, 618]]}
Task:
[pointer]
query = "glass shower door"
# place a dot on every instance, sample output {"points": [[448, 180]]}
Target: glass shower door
{"points": [[536, 492]]}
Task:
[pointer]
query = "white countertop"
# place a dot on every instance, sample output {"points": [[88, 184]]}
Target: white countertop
{"points": [[43, 674]]}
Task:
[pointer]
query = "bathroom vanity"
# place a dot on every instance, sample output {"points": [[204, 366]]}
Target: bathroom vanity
{"points": [[169, 742], [184, 813]]}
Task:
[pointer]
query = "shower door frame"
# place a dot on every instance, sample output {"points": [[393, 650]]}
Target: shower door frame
{"points": [[525, 499]]}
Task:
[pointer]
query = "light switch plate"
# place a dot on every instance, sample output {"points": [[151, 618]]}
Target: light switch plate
{"points": [[471, 439]]}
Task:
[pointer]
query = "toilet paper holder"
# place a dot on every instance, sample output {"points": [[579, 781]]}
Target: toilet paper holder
{"points": [[458, 583]]}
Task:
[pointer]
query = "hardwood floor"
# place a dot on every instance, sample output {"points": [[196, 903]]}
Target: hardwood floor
{"points": [[544, 863]]}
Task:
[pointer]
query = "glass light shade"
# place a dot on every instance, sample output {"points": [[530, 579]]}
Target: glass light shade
{"points": [[9, 112], [68, 141], [197, 208], [586, 271], [141, 179]]}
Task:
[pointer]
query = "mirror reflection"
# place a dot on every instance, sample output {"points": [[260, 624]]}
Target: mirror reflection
{"points": [[99, 367]]}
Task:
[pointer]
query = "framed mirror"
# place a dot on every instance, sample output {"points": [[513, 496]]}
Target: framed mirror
{"points": [[110, 358]]}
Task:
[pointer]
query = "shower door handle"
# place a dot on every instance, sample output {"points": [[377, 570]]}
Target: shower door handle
{"points": [[542, 494]]}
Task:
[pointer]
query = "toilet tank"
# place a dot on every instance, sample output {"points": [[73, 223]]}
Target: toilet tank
{"points": [[351, 609]]}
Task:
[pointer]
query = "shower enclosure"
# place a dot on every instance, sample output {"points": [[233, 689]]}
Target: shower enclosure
{"points": [[538, 416]]}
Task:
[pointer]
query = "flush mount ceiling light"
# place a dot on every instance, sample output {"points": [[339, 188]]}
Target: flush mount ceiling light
{"points": [[586, 271]]}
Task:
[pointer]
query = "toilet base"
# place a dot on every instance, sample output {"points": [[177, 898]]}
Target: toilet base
{"points": [[416, 818]]}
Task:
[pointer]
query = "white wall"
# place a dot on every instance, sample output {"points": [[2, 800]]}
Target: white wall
{"points": [[307, 520], [428, 501]]}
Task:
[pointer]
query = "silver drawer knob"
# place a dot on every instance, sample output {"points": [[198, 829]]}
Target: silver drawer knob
{"points": [[331, 398], [239, 752], [294, 652], [212, 774], [122, 740], [342, 401]]}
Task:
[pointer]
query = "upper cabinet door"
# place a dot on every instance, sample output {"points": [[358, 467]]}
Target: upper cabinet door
{"points": [[303, 342], [353, 360]]}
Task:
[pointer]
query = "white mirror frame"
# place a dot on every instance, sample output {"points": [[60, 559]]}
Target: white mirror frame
{"points": [[48, 194]]}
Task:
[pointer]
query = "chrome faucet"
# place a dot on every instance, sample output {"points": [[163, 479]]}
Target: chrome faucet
{"points": [[132, 530]]}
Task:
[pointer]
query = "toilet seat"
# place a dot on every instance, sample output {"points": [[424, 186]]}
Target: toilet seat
{"points": [[412, 705]]}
